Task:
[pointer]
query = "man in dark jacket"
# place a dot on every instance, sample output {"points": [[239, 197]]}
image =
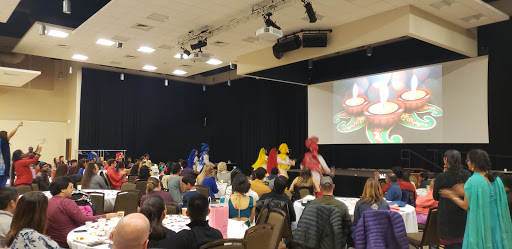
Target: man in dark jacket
{"points": [[42, 178]]}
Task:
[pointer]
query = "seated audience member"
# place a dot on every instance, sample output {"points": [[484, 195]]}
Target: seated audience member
{"points": [[165, 177], [189, 182], [73, 169], [241, 206], [116, 175], [405, 185], [223, 175], [134, 170], [258, 185], [62, 170], [91, 179], [154, 209], [507, 183], [8, 200], [21, 165], [132, 232], [394, 192], [269, 180], [111, 163], [43, 178], [229, 189], [200, 232], [278, 194], [304, 181], [144, 174], [424, 203], [327, 189], [185, 169], [29, 222], [81, 166], [174, 182], [423, 179], [372, 199], [154, 187], [63, 213], [206, 179]]}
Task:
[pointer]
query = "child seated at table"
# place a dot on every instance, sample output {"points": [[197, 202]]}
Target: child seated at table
{"points": [[424, 203]]}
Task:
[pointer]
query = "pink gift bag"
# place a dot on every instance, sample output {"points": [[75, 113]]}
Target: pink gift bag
{"points": [[219, 216]]}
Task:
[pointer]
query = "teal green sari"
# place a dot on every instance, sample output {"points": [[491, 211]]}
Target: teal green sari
{"points": [[488, 224]]}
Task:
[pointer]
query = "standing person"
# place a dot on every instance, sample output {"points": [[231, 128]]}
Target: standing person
{"points": [[262, 160], [154, 188], [91, 179], [283, 161], [5, 156], [272, 160], [116, 175], [29, 222], [42, 178], [313, 160], [8, 200], [21, 164], [451, 219], [371, 199], [204, 157], [174, 182], [488, 223], [30, 151], [193, 160], [206, 179], [186, 169], [241, 206]]}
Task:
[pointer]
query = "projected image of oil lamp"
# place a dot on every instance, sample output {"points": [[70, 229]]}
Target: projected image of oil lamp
{"points": [[354, 105], [415, 98], [384, 113]]}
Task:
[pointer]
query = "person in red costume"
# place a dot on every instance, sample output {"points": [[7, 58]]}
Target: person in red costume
{"points": [[314, 161], [272, 160]]}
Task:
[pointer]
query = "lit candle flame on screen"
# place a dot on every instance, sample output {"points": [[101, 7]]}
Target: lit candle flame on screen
{"points": [[414, 85], [384, 94], [355, 90]]}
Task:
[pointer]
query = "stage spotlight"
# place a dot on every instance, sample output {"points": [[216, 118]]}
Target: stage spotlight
{"points": [[121, 76], [285, 45], [204, 90], [232, 66], [185, 51], [66, 6], [369, 50], [310, 11], [166, 82], [42, 29], [269, 22], [200, 44]]}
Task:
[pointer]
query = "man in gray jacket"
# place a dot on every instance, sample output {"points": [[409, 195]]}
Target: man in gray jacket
{"points": [[8, 200]]}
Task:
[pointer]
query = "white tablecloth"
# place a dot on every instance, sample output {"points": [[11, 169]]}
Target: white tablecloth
{"points": [[221, 186], [110, 197], [408, 212], [421, 192], [173, 222]]}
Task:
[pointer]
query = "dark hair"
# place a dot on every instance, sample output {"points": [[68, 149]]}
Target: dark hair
{"points": [[197, 208], [74, 161], [6, 196], [119, 165], [58, 184], [406, 176], [453, 159], [392, 177], [507, 180], [3, 134], [424, 175], [260, 173], [17, 155], [88, 175], [280, 184], [81, 164], [480, 159], [144, 173], [183, 163], [189, 179], [153, 208], [110, 162], [152, 184], [30, 213], [146, 155], [62, 170], [274, 171], [175, 168], [398, 171], [241, 184], [234, 173], [167, 169]]}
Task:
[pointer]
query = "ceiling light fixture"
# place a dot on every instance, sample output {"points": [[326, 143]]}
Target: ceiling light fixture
{"points": [[61, 75], [166, 82], [105, 42], [70, 69], [119, 44], [369, 50], [57, 33], [121, 76], [310, 11], [80, 57], [181, 56], [42, 29], [146, 49], [200, 44], [149, 67], [179, 72], [66, 6], [214, 62], [269, 22]]}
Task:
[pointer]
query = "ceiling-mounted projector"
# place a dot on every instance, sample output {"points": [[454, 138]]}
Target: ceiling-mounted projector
{"points": [[269, 33], [199, 57]]}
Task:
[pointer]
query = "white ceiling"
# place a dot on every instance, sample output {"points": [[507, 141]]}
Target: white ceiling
{"points": [[115, 21], [6, 9], [16, 77]]}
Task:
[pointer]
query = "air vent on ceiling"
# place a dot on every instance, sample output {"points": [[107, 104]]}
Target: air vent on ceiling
{"points": [[158, 17], [250, 39], [62, 46], [120, 38], [185, 66], [474, 18], [115, 62], [130, 56], [318, 17], [141, 26], [166, 46], [219, 44], [443, 4]]}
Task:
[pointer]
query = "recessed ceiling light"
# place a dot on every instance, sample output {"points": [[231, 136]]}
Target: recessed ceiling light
{"points": [[146, 49], [214, 62], [179, 72], [105, 42], [80, 57], [57, 33], [181, 56], [149, 67], [177, 56]]}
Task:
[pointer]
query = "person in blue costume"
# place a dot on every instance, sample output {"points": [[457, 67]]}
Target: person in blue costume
{"points": [[193, 160], [488, 224], [204, 157], [5, 156]]}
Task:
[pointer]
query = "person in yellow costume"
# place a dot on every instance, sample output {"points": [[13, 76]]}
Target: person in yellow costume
{"points": [[283, 161], [262, 160]]}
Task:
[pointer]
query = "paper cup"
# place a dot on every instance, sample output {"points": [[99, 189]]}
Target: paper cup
{"points": [[88, 225], [114, 221], [79, 187], [184, 211], [101, 223]]}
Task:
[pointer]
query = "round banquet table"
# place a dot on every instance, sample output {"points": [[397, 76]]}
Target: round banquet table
{"points": [[110, 197], [84, 240], [408, 212]]}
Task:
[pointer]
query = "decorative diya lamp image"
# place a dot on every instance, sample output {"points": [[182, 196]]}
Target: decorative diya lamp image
{"points": [[415, 98], [355, 105], [384, 113]]}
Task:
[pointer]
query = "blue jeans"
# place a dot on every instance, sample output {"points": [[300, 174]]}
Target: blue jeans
{"points": [[3, 181], [453, 246]]}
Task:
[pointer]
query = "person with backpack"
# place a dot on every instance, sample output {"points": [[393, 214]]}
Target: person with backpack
{"points": [[277, 198]]}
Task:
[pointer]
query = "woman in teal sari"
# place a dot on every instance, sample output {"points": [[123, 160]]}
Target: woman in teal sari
{"points": [[488, 224]]}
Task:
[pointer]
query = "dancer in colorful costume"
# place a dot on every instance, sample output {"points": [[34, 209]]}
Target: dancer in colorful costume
{"points": [[313, 160], [193, 160], [283, 161], [272, 160], [204, 158], [262, 160]]}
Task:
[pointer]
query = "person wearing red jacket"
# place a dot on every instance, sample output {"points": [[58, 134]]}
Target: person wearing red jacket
{"points": [[22, 166], [399, 172], [116, 175]]}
